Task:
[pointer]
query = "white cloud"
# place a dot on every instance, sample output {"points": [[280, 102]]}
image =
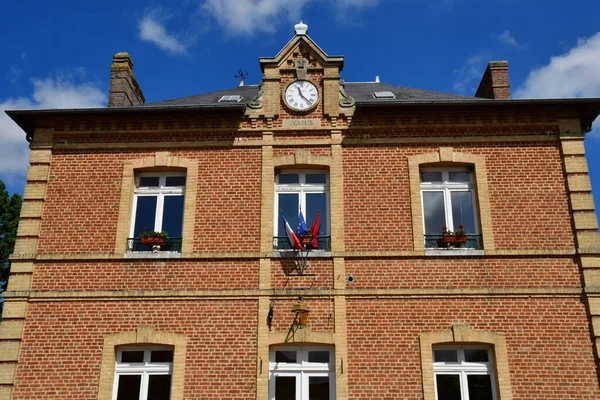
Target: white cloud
{"points": [[151, 30], [357, 3], [573, 74], [239, 17], [508, 39], [246, 17], [469, 75], [60, 92]]}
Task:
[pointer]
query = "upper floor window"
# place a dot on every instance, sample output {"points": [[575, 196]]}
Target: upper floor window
{"points": [[143, 373], [158, 207], [306, 191], [301, 373], [464, 373], [449, 205]]}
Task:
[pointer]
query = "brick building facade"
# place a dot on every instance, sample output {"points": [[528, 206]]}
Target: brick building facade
{"points": [[395, 312]]}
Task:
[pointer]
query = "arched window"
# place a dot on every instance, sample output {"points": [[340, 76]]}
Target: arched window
{"points": [[305, 191], [143, 373], [301, 373], [449, 200]]}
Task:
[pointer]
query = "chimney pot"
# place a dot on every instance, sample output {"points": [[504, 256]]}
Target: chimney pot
{"points": [[494, 83], [124, 90]]}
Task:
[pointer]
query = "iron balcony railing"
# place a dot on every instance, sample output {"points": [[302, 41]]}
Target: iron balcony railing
{"points": [[473, 242], [171, 244], [282, 243]]}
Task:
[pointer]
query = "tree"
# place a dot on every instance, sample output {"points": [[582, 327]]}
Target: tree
{"points": [[10, 208]]}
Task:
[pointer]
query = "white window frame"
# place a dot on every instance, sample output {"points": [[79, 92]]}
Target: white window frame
{"points": [[464, 369], [161, 191], [302, 189], [145, 368], [447, 187], [302, 369]]}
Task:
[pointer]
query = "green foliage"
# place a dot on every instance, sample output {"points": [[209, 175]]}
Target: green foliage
{"points": [[10, 208], [144, 234]]}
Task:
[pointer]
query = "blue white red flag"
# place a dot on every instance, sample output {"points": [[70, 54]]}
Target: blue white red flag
{"points": [[294, 241], [302, 228]]}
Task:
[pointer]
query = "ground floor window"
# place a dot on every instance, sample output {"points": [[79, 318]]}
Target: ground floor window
{"points": [[143, 373], [464, 373], [301, 373]]}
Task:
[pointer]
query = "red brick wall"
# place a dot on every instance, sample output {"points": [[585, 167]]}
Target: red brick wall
{"points": [[82, 201], [320, 318], [549, 351], [527, 190], [145, 274], [228, 201], [322, 270], [62, 345], [441, 273]]}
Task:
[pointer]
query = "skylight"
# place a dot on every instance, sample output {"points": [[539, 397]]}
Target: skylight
{"points": [[230, 99], [384, 95]]}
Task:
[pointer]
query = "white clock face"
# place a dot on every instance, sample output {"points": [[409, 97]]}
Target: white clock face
{"points": [[301, 95]]}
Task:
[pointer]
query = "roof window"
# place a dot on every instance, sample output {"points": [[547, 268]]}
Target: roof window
{"points": [[384, 95], [230, 99]]}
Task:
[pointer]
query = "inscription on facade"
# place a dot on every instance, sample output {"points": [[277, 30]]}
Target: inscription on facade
{"points": [[302, 123]]}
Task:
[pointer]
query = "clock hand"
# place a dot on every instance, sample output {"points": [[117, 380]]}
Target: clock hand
{"points": [[302, 95]]}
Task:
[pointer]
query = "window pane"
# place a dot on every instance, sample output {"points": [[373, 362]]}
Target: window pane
{"points": [[173, 215], [285, 388], [288, 203], [159, 387], [476, 355], [480, 387], [445, 356], [145, 214], [448, 387], [175, 181], [132, 356], [318, 356], [285, 356], [462, 211], [316, 178], [129, 387], [431, 176], [316, 202], [318, 388], [459, 176], [289, 178], [433, 212], [149, 181], [161, 356]]}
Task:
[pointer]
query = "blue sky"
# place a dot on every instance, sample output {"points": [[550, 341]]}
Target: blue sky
{"points": [[57, 54]]}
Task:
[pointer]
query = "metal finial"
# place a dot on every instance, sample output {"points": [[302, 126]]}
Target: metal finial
{"points": [[241, 75]]}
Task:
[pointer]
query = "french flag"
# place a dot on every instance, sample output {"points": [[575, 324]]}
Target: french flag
{"points": [[294, 241]]}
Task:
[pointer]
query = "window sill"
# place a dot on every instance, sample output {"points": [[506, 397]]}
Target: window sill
{"points": [[454, 252], [293, 254], [153, 254]]}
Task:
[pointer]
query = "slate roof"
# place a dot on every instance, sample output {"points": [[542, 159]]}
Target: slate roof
{"points": [[362, 92]]}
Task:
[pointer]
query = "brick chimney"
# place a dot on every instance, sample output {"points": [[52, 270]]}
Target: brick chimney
{"points": [[494, 84], [124, 90]]}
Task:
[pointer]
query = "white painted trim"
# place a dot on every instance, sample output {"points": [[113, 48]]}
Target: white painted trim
{"points": [[464, 369], [302, 369]]}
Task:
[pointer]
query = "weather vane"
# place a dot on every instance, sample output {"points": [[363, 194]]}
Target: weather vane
{"points": [[242, 76]]}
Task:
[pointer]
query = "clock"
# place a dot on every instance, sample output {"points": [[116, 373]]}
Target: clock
{"points": [[301, 95]]}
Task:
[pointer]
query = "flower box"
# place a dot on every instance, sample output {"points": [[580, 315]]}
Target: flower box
{"points": [[455, 239], [153, 240]]}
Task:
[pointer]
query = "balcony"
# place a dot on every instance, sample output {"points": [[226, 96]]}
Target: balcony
{"points": [[281, 243], [173, 245], [436, 242]]}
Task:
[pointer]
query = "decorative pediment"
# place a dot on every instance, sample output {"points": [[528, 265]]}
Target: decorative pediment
{"points": [[301, 48]]}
